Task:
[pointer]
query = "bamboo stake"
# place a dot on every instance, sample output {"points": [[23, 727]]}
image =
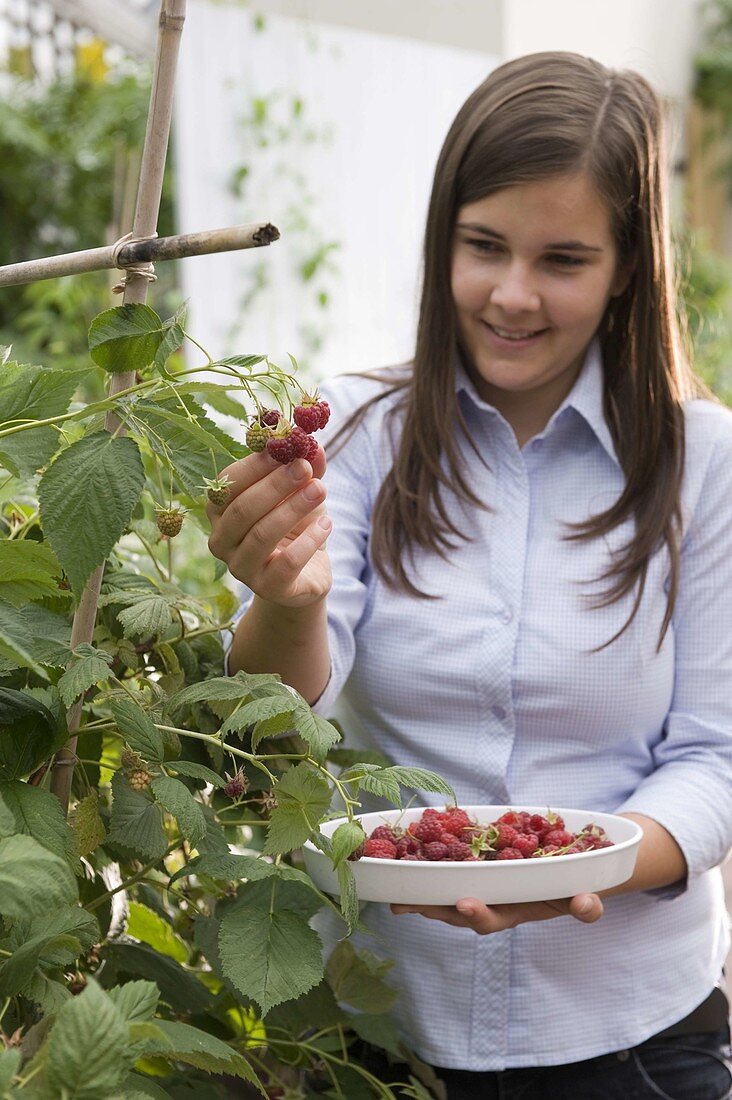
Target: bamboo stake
{"points": [[177, 247], [170, 27]]}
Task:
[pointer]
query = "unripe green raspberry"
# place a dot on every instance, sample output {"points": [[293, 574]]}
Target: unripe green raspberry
{"points": [[257, 436]]}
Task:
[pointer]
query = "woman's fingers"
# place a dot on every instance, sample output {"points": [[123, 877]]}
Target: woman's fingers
{"points": [[248, 471], [484, 919]]}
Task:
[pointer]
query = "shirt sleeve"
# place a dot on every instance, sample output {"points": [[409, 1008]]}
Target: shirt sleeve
{"points": [[690, 790]]}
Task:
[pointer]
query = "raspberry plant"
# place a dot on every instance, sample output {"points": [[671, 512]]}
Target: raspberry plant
{"points": [[158, 941]]}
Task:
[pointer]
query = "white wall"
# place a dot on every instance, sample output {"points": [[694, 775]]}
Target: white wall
{"points": [[387, 103]]}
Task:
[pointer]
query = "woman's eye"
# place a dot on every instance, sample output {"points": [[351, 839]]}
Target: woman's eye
{"points": [[562, 260], [485, 246]]}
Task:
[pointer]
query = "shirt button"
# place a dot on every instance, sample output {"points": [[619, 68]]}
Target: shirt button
{"points": [[499, 713], [623, 1055], [506, 615]]}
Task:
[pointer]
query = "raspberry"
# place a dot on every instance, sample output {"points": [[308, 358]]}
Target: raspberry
{"points": [[139, 780], [505, 836], [509, 853], [427, 830], [217, 489], [383, 832], [169, 521], [539, 824], [407, 846], [526, 844], [257, 436], [430, 812], [560, 837], [379, 849], [435, 850], [307, 417], [459, 851], [270, 417], [356, 855], [413, 858], [456, 821], [237, 785], [304, 445], [131, 760], [281, 449], [510, 818]]}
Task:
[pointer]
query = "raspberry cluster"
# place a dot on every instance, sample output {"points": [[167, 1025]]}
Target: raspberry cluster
{"points": [[284, 439], [451, 834]]}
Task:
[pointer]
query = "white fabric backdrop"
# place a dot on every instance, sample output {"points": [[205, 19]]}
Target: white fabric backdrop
{"points": [[386, 104]]}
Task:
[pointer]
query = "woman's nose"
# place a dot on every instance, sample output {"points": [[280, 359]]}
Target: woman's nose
{"points": [[514, 290]]}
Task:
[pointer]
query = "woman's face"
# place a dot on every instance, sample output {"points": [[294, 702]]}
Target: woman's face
{"points": [[533, 268]]}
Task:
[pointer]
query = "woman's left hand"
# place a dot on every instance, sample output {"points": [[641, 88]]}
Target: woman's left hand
{"points": [[484, 919]]}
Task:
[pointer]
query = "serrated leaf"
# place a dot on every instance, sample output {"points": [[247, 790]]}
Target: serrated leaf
{"points": [[276, 726], [87, 824], [38, 813], [173, 337], [125, 338], [28, 571], [86, 498], [349, 896], [303, 797], [150, 615], [179, 988], [43, 635], [28, 733], [346, 839], [148, 926], [270, 955], [175, 797], [234, 688], [31, 875], [135, 1001], [255, 711], [229, 867], [193, 770], [217, 396], [138, 730], [357, 977], [90, 667], [198, 1048], [9, 1066], [50, 940], [378, 1029], [16, 641], [33, 393], [136, 821], [195, 445], [87, 1056], [317, 731], [137, 1087]]}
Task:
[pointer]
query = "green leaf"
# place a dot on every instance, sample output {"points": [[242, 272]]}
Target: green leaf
{"points": [[173, 337], [229, 868], [28, 733], [234, 688], [138, 729], [196, 771], [149, 615], [16, 641], [32, 876], [90, 667], [137, 1087], [43, 636], [33, 393], [349, 897], [303, 797], [216, 396], [422, 780], [319, 734], [379, 1030], [125, 338], [270, 955], [86, 498], [9, 1066], [148, 926], [179, 988], [51, 941], [135, 1001], [272, 727], [195, 445], [346, 839], [87, 1055], [386, 782], [258, 709], [198, 1048], [137, 821], [357, 977], [87, 824], [38, 813], [28, 571], [175, 797]]}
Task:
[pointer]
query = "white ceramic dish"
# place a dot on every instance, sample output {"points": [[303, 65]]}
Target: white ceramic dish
{"points": [[495, 882]]}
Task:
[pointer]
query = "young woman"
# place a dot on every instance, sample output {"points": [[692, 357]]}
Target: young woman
{"points": [[527, 587]]}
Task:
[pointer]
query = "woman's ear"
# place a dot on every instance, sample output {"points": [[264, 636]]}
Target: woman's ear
{"points": [[623, 275]]}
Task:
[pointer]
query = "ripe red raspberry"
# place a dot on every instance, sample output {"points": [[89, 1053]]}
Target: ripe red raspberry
{"points": [[510, 818], [430, 812], [379, 849], [427, 830], [459, 851], [435, 850], [281, 445], [456, 821], [413, 857], [304, 445], [526, 844], [550, 849], [539, 825], [383, 832], [505, 836], [509, 853], [446, 838], [561, 837], [270, 417], [307, 417], [407, 846]]}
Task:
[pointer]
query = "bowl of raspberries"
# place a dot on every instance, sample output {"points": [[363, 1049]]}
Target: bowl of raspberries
{"points": [[500, 854]]}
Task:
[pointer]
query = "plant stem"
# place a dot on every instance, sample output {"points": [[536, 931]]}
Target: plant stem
{"points": [[130, 881]]}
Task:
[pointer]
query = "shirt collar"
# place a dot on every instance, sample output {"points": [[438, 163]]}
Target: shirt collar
{"points": [[586, 398]]}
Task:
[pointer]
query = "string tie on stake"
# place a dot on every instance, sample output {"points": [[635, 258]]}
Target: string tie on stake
{"points": [[145, 270]]}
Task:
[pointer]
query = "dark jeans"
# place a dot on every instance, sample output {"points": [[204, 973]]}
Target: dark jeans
{"points": [[682, 1067]]}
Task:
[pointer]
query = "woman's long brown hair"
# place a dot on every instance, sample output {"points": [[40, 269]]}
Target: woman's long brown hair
{"points": [[539, 116]]}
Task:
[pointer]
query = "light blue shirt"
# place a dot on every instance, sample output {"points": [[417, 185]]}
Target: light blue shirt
{"points": [[494, 686]]}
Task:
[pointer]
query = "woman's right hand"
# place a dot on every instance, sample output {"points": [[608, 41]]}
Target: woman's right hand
{"points": [[270, 533]]}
